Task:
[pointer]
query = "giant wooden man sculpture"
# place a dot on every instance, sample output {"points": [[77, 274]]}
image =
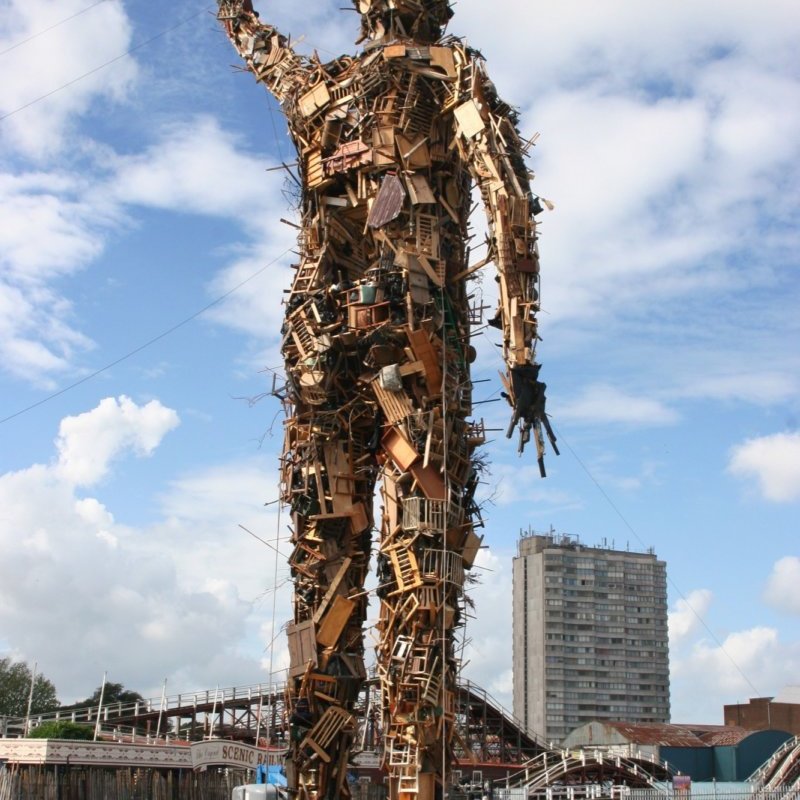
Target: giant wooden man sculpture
{"points": [[377, 350]]}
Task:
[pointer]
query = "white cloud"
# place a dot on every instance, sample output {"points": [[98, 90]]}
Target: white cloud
{"points": [[521, 483], [49, 61], [774, 461], [760, 385], [164, 600], [200, 496], [783, 585], [47, 232], [687, 616], [622, 42], [705, 675], [659, 126], [257, 310], [654, 227], [322, 26], [55, 224], [749, 663], [602, 176], [89, 442], [600, 404], [36, 203], [195, 167], [489, 652]]}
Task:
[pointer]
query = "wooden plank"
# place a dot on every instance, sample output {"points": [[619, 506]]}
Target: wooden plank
{"points": [[314, 100], [424, 351], [332, 589], [411, 368], [419, 189], [315, 173], [388, 203], [340, 480], [430, 481], [383, 145], [359, 520], [414, 151], [390, 501], [442, 57], [394, 51], [335, 621], [396, 406], [469, 119], [400, 450], [436, 276], [471, 548], [302, 647]]}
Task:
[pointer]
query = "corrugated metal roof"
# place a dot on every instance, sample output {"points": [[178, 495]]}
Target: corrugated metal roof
{"points": [[675, 735], [657, 733], [721, 735]]}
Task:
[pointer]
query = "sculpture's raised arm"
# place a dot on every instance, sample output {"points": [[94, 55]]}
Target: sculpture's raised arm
{"points": [[268, 54], [494, 154]]}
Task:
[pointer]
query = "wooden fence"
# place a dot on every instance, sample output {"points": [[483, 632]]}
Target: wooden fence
{"points": [[96, 783]]}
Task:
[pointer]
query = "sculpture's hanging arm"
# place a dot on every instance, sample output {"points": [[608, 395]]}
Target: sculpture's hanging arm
{"points": [[494, 153], [267, 53]]}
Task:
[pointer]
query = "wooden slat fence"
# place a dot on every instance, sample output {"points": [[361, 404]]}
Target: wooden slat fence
{"points": [[96, 783]]}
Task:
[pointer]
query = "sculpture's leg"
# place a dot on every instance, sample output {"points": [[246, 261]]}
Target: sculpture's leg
{"points": [[328, 480], [427, 541]]}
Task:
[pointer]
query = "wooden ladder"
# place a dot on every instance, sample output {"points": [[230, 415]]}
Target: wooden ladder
{"points": [[306, 277], [406, 569], [328, 727], [408, 783]]}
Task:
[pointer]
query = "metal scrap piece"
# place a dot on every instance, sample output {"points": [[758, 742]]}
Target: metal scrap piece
{"points": [[388, 203]]}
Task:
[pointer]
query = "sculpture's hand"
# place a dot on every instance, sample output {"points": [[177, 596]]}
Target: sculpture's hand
{"points": [[528, 401]]}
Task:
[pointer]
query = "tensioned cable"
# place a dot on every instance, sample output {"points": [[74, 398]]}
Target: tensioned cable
{"points": [[146, 344], [642, 543], [54, 25], [671, 582], [265, 542], [274, 608], [105, 64], [447, 501], [639, 539]]}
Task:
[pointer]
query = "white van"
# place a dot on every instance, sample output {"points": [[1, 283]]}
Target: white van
{"points": [[256, 791]]}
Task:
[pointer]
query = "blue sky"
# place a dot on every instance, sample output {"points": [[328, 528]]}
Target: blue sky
{"points": [[136, 196]]}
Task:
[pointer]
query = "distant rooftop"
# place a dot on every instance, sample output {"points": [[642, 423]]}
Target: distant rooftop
{"points": [[570, 541], [675, 735]]}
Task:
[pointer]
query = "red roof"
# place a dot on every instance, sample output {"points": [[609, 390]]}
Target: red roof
{"points": [[673, 735]]}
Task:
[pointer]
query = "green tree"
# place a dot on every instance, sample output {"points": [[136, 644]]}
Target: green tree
{"points": [[62, 729], [15, 686], [113, 693]]}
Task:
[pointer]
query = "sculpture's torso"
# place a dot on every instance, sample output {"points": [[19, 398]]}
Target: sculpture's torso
{"points": [[387, 114]]}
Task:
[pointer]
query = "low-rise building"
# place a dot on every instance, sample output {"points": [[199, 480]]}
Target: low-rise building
{"points": [[763, 713], [705, 752]]}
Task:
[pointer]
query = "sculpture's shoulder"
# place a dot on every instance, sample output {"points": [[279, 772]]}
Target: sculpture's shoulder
{"points": [[382, 70], [391, 106]]}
